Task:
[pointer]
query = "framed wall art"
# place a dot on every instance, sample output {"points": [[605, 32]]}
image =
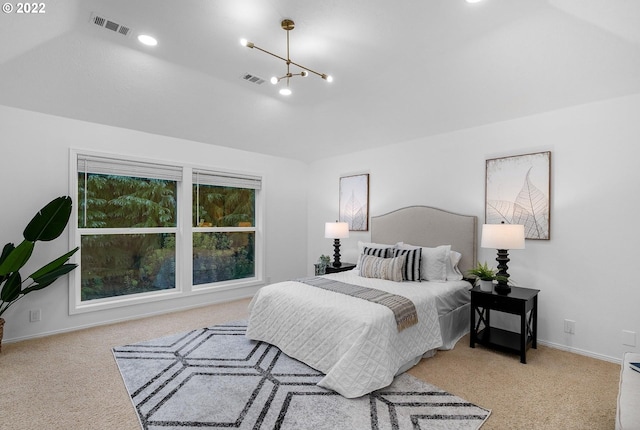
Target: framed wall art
{"points": [[517, 191], [354, 202]]}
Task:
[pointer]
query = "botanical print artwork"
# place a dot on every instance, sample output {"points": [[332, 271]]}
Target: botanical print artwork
{"points": [[517, 192], [354, 202]]}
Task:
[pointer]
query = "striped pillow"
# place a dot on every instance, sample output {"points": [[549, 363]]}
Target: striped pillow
{"points": [[411, 271], [378, 252], [381, 268]]}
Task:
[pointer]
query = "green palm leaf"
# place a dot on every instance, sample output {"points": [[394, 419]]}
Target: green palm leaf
{"points": [[49, 278], [50, 222], [16, 258], [11, 289], [44, 270]]}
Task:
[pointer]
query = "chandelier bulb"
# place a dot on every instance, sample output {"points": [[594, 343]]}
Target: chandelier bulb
{"points": [[274, 80], [304, 73], [245, 42]]}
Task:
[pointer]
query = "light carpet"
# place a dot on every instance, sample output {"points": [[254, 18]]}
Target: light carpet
{"points": [[217, 378]]}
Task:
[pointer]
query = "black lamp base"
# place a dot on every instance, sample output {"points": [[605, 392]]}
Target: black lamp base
{"points": [[503, 277], [336, 253], [503, 289]]}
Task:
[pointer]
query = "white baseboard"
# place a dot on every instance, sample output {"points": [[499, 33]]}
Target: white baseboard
{"points": [[580, 351], [129, 318]]}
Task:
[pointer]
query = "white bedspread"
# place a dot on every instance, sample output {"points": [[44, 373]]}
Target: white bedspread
{"points": [[355, 343]]}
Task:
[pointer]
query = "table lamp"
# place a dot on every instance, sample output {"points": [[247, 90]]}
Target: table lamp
{"points": [[336, 231], [502, 237]]}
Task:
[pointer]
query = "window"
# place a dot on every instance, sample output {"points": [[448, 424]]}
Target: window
{"points": [[131, 216], [224, 227]]}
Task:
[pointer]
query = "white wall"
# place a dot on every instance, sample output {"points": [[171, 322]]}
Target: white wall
{"points": [[35, 169], [586, 272]]}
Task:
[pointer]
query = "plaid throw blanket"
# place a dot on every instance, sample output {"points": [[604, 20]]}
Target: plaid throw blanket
{"points": [[403, 309]]}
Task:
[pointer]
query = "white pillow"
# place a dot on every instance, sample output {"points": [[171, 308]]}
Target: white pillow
{"points": [[453, 273], [434, 263]]}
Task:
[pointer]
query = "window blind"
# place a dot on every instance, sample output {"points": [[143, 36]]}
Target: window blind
{"points": [[119, 167], [223, 179]]}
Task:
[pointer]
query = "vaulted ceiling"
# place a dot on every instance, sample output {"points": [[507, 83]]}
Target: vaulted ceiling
{"points": [[403, 69]]}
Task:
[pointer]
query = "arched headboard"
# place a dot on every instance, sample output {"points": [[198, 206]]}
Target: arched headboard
{"points": [[431, 227]]}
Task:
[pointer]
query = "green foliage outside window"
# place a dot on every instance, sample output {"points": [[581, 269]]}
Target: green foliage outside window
{"points": [[123, 263], [108, 201], [222, 256], [215, 206]]}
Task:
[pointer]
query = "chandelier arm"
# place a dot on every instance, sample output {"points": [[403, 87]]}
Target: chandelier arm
{"points": [[270, 53], [308, 69], [289, 62]]}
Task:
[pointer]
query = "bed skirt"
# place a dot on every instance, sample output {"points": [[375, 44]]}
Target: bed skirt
{"points": [[453, 326]]}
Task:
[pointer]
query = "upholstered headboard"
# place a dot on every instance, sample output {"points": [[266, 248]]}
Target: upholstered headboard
{"points": [[427, 226]]}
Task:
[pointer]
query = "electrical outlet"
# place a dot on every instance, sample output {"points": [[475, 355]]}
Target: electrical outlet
{"points": [[35, 315], [569, 326]]}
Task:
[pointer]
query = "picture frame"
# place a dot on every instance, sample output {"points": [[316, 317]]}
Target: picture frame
{"points": [[354, 201], [518, 191]]}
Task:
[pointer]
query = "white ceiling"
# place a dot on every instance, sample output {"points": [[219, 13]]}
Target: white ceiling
{"points": [[403, 69]]}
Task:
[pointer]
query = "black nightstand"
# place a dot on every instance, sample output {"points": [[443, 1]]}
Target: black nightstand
{"points": [[520, 301], [343, 268]]}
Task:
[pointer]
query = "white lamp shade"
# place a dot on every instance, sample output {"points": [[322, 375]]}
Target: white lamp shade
{"points": [[502, 236], [336, 230]]}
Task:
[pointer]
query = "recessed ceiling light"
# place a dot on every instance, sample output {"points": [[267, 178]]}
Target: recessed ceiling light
{"points": [[147, 40], [474, 1]]}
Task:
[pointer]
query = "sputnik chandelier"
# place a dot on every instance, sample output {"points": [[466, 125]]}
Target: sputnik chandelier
{"points": [[287, 25]]}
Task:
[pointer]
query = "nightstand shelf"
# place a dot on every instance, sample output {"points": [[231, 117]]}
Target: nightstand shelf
{"points": [[499, 339], [520, 301]]}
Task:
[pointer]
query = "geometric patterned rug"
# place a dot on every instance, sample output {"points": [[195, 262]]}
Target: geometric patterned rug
{"points": [[216, 378]]}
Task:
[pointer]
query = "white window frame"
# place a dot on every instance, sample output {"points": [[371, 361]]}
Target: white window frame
{"points": [[184, 239]]}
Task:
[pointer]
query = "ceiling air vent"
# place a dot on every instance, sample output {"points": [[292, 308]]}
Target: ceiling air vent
{"points": [[110, 24], [253, 79]]}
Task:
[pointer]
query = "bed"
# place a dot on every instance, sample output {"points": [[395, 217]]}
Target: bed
{"points": [[355, 343]]}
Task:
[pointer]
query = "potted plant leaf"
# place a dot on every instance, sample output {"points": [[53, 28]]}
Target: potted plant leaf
{"points": [[321, 265], [484, 274], [47, 225]]}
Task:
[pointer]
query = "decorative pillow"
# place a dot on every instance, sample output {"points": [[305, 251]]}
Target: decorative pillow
{"points": [[381, 268], [378, 252], [362, 245], [434, 263], [411, 271], [453, 273]]}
